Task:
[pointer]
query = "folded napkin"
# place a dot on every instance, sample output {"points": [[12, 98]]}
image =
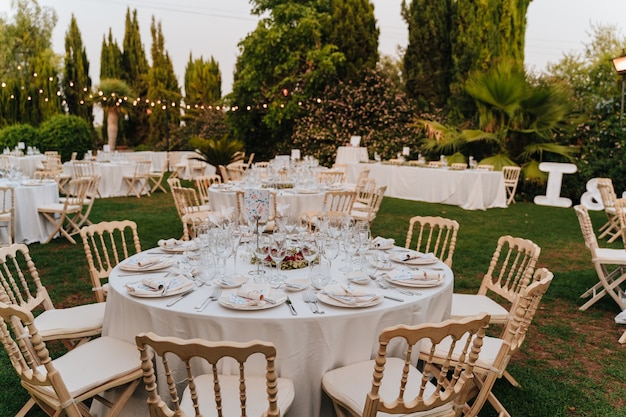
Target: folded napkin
{"points": [[416, 275], [416, 258], [138, 264], [250, 295], [347, 295], [170, 243], [381, 242], [159, 286]]}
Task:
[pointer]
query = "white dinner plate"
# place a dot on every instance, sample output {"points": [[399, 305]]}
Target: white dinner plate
{"points": [[138, 289], [415, 283], [231, 282], [238, 303], [326, 299], [179, 248], [131, 265], [297, 284]]}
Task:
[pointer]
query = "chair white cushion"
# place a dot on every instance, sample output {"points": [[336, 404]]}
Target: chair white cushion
{"points": [[467, 305], [58, 207], [358, 206], [70, 320], [94, 363], [610, 256], [256, 395], [350, 384]]}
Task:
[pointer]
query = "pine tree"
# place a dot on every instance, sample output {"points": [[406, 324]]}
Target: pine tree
{"points": [[353, 30], [135, 73], [427, 61], [163, 89], [76, 80]]}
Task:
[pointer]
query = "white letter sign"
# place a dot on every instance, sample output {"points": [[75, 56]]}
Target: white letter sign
{"points": [[555, 177]]}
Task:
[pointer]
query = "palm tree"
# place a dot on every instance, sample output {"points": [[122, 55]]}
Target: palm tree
{"points": [[517, 121], [216, 152], [113, 95]]}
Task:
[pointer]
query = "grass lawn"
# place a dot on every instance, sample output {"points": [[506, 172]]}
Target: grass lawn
{"points": [[571, 363]]}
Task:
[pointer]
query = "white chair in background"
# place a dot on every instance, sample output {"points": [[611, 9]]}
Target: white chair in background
{"points": [[139, 182], [7, 212], [436, 235], [511, 179]]}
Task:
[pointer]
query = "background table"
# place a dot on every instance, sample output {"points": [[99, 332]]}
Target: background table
{"points": [[469, 189], [30, 226], [351, 155], [307, 344], [112, 183], [27, 164]]}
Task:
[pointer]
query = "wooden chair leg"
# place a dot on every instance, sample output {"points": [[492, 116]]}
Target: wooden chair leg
{"points": [[623, 338], [511, 379]]}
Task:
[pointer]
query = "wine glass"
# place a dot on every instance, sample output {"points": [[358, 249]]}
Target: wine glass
{"points": [[310, 251], [352, 244], [277, 252], [330, 250], [237, 232], [261, 249]]}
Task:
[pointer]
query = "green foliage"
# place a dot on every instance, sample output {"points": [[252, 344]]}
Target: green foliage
{"points": [[517, 121], [371, 108], [110, 58], [285, 61], [354, 32], [66, 134], [10, 136], [218, 151], [428, 60], [162, 83], [76, 78], [28, 66], [207, 122], [203, 82]]}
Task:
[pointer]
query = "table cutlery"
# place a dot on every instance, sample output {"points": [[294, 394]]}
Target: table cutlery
{"points": [[313, 297], [385, 285], [393, 298], [293, 310], [306, 299], [180, 297], [213, 297]]}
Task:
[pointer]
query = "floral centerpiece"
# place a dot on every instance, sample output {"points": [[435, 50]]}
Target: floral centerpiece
{"points": [[293, 260]]}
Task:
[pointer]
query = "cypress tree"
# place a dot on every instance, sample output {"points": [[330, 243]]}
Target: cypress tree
{"points": [[76, 80], [203, 82], [163, 89], [353, 30], [135, 73], [110, 59], [427, 60]]}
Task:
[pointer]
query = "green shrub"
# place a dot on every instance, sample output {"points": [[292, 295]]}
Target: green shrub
{"points": [[11, 135], [66, 134]]}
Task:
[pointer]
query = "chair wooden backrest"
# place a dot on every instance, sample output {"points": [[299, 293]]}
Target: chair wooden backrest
{"points": [[586, 228], [235, 171], [7, 211], [223, 173], [228, 399], [365, 190], [203, 182], [331, 177], [174, 182], [511, 267], [372, 210], [452, 382], [106, 244], [511, 179], [363, 173], [607, 193], [435, 234], [185, 200], [620, 213], [83, 169], [338, 201], [142, 168]]}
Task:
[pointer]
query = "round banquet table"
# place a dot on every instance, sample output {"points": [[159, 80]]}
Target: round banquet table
{"points": [[30, 226], [112, 183], [294, 201], [307, 344]]}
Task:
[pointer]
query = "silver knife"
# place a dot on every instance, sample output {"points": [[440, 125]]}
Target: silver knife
{"points": [[180, 297], [393, 298], [293, 310]]}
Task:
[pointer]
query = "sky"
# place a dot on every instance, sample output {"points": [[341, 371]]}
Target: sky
{"points": [[214, 27]]}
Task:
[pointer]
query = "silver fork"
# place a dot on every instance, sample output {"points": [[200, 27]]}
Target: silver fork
{"points": [[385, 285], [306, 299], [313, 299], [213, 297]]}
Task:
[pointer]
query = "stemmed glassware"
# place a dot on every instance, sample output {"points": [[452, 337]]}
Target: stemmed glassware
{"points": [[277, 252], [352, 244], [330, 250], [220, 244], [310, 251]]}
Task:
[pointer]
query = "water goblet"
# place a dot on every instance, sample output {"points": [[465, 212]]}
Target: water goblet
{"points": [[277, 252], [330, 250], [310, 251]]}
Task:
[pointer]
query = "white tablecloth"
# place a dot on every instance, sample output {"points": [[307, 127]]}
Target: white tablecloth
{"points": [[351, 155], [307, 344], [112, 183], [297, 202], [470, 189], [30, 226], [27, 164]]}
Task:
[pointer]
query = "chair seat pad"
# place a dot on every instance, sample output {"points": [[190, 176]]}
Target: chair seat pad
{"points": [[5, 217], [486, 358], [358, 206], [59, 207], [610, 256], [350, 384], [256, 395], [94, 363], [467, 305], [72, 320]]}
